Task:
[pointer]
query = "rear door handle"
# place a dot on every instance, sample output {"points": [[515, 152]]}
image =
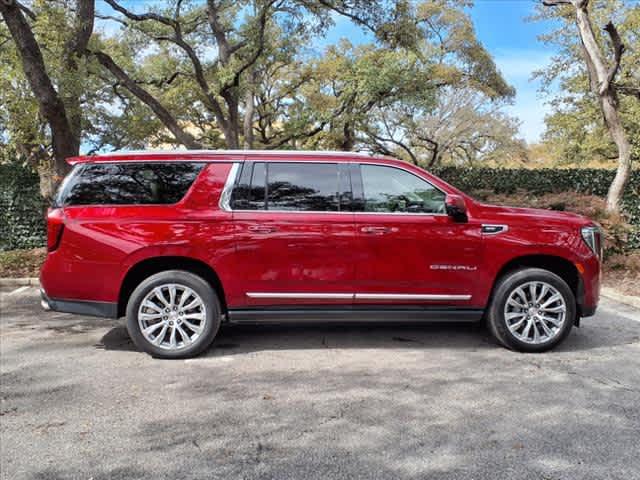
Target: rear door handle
{"points": [[262, 229], [370, 230]]}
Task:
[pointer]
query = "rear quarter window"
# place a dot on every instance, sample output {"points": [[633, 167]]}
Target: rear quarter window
{"points": [[129, 183]]}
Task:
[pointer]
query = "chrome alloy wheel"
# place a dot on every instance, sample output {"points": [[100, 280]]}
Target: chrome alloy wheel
{"points": [[172, 316], [535, 312]]}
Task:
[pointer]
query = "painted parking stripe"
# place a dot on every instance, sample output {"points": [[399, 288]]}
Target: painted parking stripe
{"points": [[20, 290]]}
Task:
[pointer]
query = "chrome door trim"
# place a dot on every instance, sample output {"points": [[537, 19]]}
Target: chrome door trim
{"points": [[302, 296], [225, 196], [409, 296], [357, 296]]}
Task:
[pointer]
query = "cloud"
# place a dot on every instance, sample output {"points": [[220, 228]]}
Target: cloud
{"points": [[517, 67]]}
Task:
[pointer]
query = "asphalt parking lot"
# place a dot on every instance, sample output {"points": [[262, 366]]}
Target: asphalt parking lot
{"points": [[316, 402]]}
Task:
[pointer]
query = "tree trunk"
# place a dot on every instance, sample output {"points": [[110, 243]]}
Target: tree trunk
{"points": [[249, 111], [74, 50], [348, 138], [603, 87], [435, 155], [609, 106], [65, 142]]}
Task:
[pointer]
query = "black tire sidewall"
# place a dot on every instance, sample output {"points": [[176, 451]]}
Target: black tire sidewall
{"points": [[196, 283], [496, 318]]}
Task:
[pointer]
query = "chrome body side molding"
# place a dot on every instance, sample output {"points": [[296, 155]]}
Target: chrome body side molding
{"points": [[358, 296]]}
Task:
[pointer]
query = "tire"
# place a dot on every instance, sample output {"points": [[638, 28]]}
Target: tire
{"points": [[516, 288], [189, 325]]}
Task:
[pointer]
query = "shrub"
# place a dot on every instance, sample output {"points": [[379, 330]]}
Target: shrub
{"points": [[22, 223]]}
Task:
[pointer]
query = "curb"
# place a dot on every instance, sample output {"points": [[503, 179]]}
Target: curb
{"points": [[19, 282], [618, 297]]}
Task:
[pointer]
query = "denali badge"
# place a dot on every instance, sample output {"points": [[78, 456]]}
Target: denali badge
{"points": [[468, 268]]}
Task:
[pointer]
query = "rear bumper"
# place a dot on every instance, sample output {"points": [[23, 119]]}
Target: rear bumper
{"points": [[80, 307]]}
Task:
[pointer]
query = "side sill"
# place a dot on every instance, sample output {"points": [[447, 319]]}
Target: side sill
{"points": [[346, 315], [80, 307]]}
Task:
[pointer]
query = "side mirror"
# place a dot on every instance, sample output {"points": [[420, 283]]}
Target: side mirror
{"points": [[456, 208]]}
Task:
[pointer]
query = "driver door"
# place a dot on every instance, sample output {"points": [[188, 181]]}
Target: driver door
{"points": [[410, 251]]}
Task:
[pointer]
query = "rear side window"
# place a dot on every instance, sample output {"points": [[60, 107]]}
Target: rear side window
{"points": [[289, 186], [129, 183]]}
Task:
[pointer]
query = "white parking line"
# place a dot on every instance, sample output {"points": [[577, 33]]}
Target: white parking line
{"points": [[20, 290]]}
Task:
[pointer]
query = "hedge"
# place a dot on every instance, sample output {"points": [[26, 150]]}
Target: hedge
{"points": [[589, 181], [22, 223], [22, 209]]}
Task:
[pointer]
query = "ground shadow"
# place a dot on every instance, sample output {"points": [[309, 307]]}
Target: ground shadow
{"points": [[241, 339]]}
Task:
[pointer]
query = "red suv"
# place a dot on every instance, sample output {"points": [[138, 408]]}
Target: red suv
{"points": [[181, 242]]}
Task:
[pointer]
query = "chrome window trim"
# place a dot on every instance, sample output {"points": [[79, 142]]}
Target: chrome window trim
{"points": [[225, 196], [357, 296]]}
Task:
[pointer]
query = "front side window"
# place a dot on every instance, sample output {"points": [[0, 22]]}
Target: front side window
{"points": [[289, 186], [130, 183], [392, 190]]}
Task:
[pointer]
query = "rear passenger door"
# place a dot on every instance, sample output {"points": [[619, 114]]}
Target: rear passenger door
{"points": [[295, 232]]}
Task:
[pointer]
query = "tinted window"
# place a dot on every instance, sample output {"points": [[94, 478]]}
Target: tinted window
{"points": [[302, 186], [249, 192], [291, 187], [130, 183], [388, 189]]}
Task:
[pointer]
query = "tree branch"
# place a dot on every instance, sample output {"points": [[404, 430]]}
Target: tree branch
{"points": [[51, 106], [83, 28], [209, 99], [618, 50], [555, 3], [145, 97]]}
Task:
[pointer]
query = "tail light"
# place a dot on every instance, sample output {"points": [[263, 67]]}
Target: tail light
{"points": [[55, 226]]}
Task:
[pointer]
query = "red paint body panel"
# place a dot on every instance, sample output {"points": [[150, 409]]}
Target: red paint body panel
{"points": [[300, 252]]}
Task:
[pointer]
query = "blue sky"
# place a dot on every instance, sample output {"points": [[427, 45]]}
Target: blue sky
{"points": [[502, 28]]}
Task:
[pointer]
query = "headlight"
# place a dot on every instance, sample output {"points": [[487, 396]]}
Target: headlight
{"points": [[593, 237]]}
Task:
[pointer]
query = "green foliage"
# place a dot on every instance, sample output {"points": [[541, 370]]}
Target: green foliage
{"points": [[575, 128], [590, 181], [22, 223]]}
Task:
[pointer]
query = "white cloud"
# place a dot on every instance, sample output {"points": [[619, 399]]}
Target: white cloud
{"points": [[517, 66]]}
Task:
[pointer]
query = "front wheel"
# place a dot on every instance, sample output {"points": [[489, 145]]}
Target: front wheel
{"points": [[173, 314], [532, 310]]}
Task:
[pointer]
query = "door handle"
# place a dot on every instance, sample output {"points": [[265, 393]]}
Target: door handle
{"points": [[370, 230], [262, 229]]}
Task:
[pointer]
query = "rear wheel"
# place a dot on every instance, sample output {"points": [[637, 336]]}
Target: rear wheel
{"points": [[173, 314], [532, 310]]}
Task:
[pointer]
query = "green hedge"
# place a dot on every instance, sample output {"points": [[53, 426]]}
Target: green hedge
{"points": [[22, 223], [589, 181], [22, 209]]}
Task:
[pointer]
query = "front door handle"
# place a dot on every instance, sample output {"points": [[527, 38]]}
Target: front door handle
{"points": [[262, 229], [371, 230]]}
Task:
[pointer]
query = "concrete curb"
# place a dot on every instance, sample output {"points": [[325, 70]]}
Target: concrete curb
{"points": [[19, 282], [619, 297]]}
